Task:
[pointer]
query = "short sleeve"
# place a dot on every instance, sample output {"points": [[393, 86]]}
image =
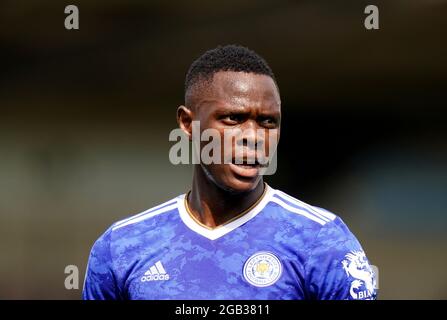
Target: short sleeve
{"points": [[337, 268], [100, 283]]}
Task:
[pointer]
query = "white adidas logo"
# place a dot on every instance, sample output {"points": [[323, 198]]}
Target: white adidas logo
{"points": [[156, 272]]}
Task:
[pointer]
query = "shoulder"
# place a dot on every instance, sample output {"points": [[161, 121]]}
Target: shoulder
{"points": [[336, 265], [316, 225], [147, 214], [144, 221], [296, 209]]}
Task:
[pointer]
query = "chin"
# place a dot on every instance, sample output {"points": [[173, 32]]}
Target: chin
{"points": [[239, 186], [226, 179]]}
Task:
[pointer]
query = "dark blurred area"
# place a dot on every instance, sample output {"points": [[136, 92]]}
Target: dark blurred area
{"points": [[85, 117]]}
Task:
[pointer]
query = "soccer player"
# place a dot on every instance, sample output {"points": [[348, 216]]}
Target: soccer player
{"points": [[231, 236]]}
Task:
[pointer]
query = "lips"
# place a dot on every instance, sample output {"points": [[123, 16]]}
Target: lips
{"points": [[245, 169]]}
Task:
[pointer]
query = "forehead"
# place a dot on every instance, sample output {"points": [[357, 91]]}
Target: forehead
{"points": [[229, 88]]}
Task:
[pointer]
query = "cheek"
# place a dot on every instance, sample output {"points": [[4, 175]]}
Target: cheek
{"points": [[271, 140]]}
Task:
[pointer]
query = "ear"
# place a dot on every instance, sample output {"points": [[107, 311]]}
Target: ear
{"points": [[184, 120]]}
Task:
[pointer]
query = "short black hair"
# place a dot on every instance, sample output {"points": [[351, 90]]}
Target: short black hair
{"points": [[226, 58]]}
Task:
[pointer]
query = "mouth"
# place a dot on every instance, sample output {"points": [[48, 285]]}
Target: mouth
{"points": [[245, 169]]}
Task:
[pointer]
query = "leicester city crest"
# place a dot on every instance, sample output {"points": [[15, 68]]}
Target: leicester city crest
{"points": [[262, 269]]}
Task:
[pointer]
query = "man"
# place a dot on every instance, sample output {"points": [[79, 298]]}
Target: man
{"points": [[232, 236]]}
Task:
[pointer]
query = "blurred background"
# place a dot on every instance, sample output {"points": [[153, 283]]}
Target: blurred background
{"points": [[85, 117]]}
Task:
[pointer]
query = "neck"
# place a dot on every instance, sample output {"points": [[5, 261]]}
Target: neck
{"points": [[213, 206]]}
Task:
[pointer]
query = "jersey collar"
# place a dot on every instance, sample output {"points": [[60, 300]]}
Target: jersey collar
{"points": [[222, 230]]}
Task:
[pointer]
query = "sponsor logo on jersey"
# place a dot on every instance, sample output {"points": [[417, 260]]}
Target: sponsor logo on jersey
{"points": [[356, 266], [155, 273]]}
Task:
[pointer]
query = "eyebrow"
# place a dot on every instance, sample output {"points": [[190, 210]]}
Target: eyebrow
{"points": [[234, 109], [230, 108]]}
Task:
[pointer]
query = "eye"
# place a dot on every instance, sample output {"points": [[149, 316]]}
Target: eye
{"points": [[232, 118], [268, 121]]}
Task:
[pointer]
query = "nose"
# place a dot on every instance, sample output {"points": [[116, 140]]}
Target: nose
{"points": [[250, 136]]}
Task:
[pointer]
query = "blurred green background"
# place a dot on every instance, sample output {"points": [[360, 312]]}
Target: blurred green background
{"points": [[85, 117]]}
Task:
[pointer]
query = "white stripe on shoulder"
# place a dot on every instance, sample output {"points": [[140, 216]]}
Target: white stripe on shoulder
{"points": [[144, 212], [295, 202], [323, 211], [145, 216], [298, 211], [323, 214]]}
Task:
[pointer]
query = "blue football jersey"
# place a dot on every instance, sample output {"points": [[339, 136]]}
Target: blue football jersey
{"points": [[280, 248]]}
